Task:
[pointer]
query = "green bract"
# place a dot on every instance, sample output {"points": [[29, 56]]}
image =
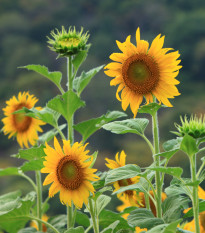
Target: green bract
{"points": [[194, 127], [68, 42]]}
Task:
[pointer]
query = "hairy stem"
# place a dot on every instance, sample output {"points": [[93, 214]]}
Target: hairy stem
{"points": [[94, 217], [195, 199], [155, 131], [70, 217], [39, 198]]}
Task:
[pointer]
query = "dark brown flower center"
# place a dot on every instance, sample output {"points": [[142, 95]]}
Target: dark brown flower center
{"points": [[140, 73], [69, 173], [21, 122], [126, 182]]}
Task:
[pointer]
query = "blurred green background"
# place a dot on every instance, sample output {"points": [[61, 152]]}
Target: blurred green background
{"points": [[24, 25]]}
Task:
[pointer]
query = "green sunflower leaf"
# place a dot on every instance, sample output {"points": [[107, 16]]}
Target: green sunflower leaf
{"points": [[189, 145], [81, 82], [173, 171], [167, 154], [33, 165], [54, 77], [31, 154], [101, 202], [47, 115], [14, 213], [201, 209], [79, 59], [166, 228], [136, 186], [29, 230], [107, 217], [9, 171], [172, 144], [75, 230], [172, 207], [87, 128], [46, 137], [151, 108], [143, 218], [66, 104], [136, 126], [125, 172], [111, 227], [82, 219], [58, 221]]}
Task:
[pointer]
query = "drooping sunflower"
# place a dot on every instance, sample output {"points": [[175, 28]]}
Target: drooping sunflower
{"points": [[25, 128], [141, 71], [120, 162], [69, 172]]}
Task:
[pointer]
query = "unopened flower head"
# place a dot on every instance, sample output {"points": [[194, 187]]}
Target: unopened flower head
{"points": [[68, 42], [195, 126]]}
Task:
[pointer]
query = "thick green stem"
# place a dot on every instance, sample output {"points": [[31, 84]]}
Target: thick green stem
{"points": [[155, 131], [94, 217], [39, 198], [70, 219], [195, 199], [70, 88]]}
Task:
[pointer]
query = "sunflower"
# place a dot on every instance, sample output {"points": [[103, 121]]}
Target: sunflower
{"points": [[44, 228], [141, 72], [68, 42], [69, 172], [25, 128], [141, 198], [128, 194]]}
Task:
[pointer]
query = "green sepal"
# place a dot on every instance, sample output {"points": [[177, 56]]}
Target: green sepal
{"points": [[87, 128], [125, 172], [54, 77], [136, 126], [143, 218], [66, 104], [81, 82]]}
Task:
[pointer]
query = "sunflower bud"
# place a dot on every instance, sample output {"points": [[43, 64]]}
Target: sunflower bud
{"points": [[194, 127], [68, 43]]}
